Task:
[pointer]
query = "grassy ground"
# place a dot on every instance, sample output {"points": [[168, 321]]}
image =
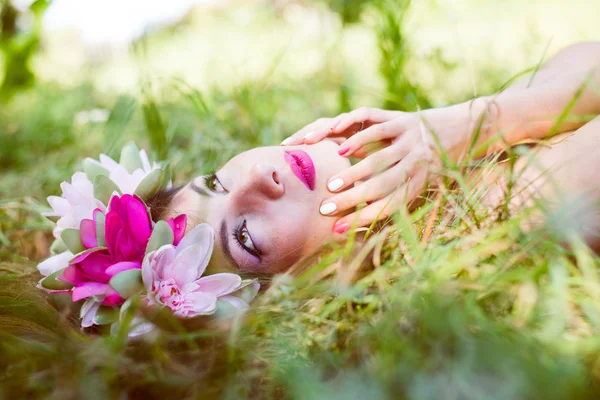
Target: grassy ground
{"points": [[453, 309]]}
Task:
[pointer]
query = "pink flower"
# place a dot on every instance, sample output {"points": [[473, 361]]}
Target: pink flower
{"points": [[173, 275], [127, 230]]}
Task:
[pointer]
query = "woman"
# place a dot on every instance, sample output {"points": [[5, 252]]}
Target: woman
{"points": [[272, 206]]}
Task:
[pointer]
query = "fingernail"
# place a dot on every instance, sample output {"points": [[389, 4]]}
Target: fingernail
{"points": [[309, 135], [286, 141], [327, 208], [335, 124], [335, 184], [343, 150], [341, 227]]}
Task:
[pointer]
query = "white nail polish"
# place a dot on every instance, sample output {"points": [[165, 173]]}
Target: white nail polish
{"points": [[335, 184], [286, 141], [308, 135], [327, 208]]}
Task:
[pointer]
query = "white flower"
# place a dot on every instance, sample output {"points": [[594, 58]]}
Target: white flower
{"points": [[125, 181], [76, 203], [55, 263], [88, 312]]}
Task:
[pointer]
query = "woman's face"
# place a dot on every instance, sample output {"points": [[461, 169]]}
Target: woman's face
{"points": [[264, 205]]}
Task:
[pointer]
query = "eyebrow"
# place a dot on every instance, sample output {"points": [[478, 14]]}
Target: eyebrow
{"points": [[200, 190], [225, 243]]}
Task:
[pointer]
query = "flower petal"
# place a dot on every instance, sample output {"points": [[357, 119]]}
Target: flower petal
{"points": [[54, 263], [154, 263], [235, 302], [202, 234], [88, 312], [73, 196], [73, 276], [138, 220], [178, 225], [112, 298], [201, 303], [89, 289], [94, 266], [202, 237], [112, 228], [60, 205], [140, 327], [186, 267], [145, 161], [87, 231], [219, 284], [122, 266], [108, 162]]}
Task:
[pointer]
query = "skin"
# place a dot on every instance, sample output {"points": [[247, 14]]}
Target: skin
{"points": [[397, 173], [281, 215], [286, 221]]}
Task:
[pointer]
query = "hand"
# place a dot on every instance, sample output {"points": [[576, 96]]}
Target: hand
{"points": [[341, 127], [396, 174]]}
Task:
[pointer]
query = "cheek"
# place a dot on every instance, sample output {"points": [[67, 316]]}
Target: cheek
{"points": [[297, 234]]}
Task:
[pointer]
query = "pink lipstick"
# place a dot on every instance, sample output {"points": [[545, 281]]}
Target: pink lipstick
{"points": [[302, 166]]}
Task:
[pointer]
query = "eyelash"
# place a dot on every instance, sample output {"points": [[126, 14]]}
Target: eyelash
{"points": [[238, 230], [236, 235], [213, 177]]}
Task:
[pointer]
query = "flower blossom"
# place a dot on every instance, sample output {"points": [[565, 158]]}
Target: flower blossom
{"points": [[126, 181], [127, 230], [173, 278], [76, 203]]}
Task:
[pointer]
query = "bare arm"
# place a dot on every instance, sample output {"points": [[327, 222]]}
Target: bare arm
{"points": [[567, 85], [563, 95]]}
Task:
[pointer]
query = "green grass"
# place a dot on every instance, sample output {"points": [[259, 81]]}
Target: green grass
{"points": [[452, 307]]}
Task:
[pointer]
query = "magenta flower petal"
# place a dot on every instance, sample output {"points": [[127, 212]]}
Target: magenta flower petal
{"points": [[138, 220], [178, 225], [90, 289], [112, 298], [128, 228], [72, 275], [94, 266], [122, 266], [82, 256], [112, 227], [218, 284], [87, 231], [115, 204]]}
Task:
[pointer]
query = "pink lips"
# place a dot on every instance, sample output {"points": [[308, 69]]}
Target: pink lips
{"points": [[302, 166]]}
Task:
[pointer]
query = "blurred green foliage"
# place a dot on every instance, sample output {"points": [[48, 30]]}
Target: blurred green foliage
{"points": [[470, 313], [18, 45], [402, 93]]}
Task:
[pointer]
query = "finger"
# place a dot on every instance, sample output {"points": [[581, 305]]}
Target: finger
{"points": [[323, 131], [371, 165], [373, 189], [321, 124], [337, 140], [371, 148], [349, 124], [385, 130], [361, 116], [383, 208]]}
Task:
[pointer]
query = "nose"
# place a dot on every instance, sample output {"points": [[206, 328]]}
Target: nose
{"points": [[265, 180]]}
